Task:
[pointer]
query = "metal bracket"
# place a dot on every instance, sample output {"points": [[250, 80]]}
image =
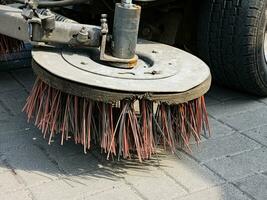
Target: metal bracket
{"points": [[107, 57], [30, 27]]}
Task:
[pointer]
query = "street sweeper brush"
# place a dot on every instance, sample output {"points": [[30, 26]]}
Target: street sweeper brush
{"points": [[126, 112], [123, 95], [7, 44]]}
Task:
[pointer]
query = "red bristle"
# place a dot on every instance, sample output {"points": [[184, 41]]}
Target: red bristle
{"points": [[124, 133], [9, 45]]}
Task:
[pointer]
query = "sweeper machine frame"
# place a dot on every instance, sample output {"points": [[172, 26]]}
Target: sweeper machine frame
{"points": [[105, 88]]}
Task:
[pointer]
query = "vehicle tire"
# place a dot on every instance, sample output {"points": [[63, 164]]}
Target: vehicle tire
{"points": [[232, 39]]}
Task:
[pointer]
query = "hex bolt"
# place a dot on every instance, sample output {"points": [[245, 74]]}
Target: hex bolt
{"points": [[82, 36]]}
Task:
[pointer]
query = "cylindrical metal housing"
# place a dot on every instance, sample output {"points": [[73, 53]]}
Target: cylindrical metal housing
{"points": [[125, 30]]}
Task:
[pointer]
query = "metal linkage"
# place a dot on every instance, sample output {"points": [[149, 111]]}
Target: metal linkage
{"points": [[125, 34], [43, 28], [106, 56]]}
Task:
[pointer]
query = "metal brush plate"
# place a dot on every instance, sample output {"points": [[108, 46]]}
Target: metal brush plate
{"points": [[148, 66], [163, 74], [161, 69]]}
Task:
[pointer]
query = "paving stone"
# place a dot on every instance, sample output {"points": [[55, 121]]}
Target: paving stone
{"points": [[259, 134], [69, 148], [256, 186], [152, 182], [25, 76], [7, 83], [121, 192], [203, 137], [222, 146], [2, 166], [29, 158], [9, 183], [234, 107], [224, 94], [73, 187], [5, 114], [31, 178], [11, 104], [14, 124], [223, 192], [70, 157], [211, 101], [11, 142], [13, 100], [247, 120], [219, 129], [29, 164], [64, 172], [19, 195], [188, 173], [77, 164], [241, 165]]}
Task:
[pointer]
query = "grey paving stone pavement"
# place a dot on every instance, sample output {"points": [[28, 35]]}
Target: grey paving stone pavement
{"points": [[241, 165], [230, 165], [233, 107], [224, 146], [258, 134], [219, 129], [246, 120], [8, 83], [222, 192], [255, 185]]}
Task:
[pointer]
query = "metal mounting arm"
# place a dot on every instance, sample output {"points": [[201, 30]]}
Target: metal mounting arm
{"points": [[23, 25], [30, 25]]}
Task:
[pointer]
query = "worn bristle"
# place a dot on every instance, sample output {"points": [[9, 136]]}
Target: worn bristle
{"points": [[128, 129], [9, 45]]}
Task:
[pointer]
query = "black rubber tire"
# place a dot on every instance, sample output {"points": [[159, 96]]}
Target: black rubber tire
{"points": [[231, 40]]}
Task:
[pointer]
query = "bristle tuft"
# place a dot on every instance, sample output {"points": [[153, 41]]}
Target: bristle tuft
{"points": [[9, 45], [129, 129]]}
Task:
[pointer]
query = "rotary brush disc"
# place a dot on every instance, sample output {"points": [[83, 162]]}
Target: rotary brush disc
{"points": [[163, 73]]}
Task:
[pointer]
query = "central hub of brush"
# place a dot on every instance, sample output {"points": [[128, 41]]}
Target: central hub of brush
{"points": [[149, 66]]}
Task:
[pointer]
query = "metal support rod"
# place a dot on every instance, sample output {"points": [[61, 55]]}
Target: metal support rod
{"points": [[14, 25], [67, 33], [125, 29]]}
